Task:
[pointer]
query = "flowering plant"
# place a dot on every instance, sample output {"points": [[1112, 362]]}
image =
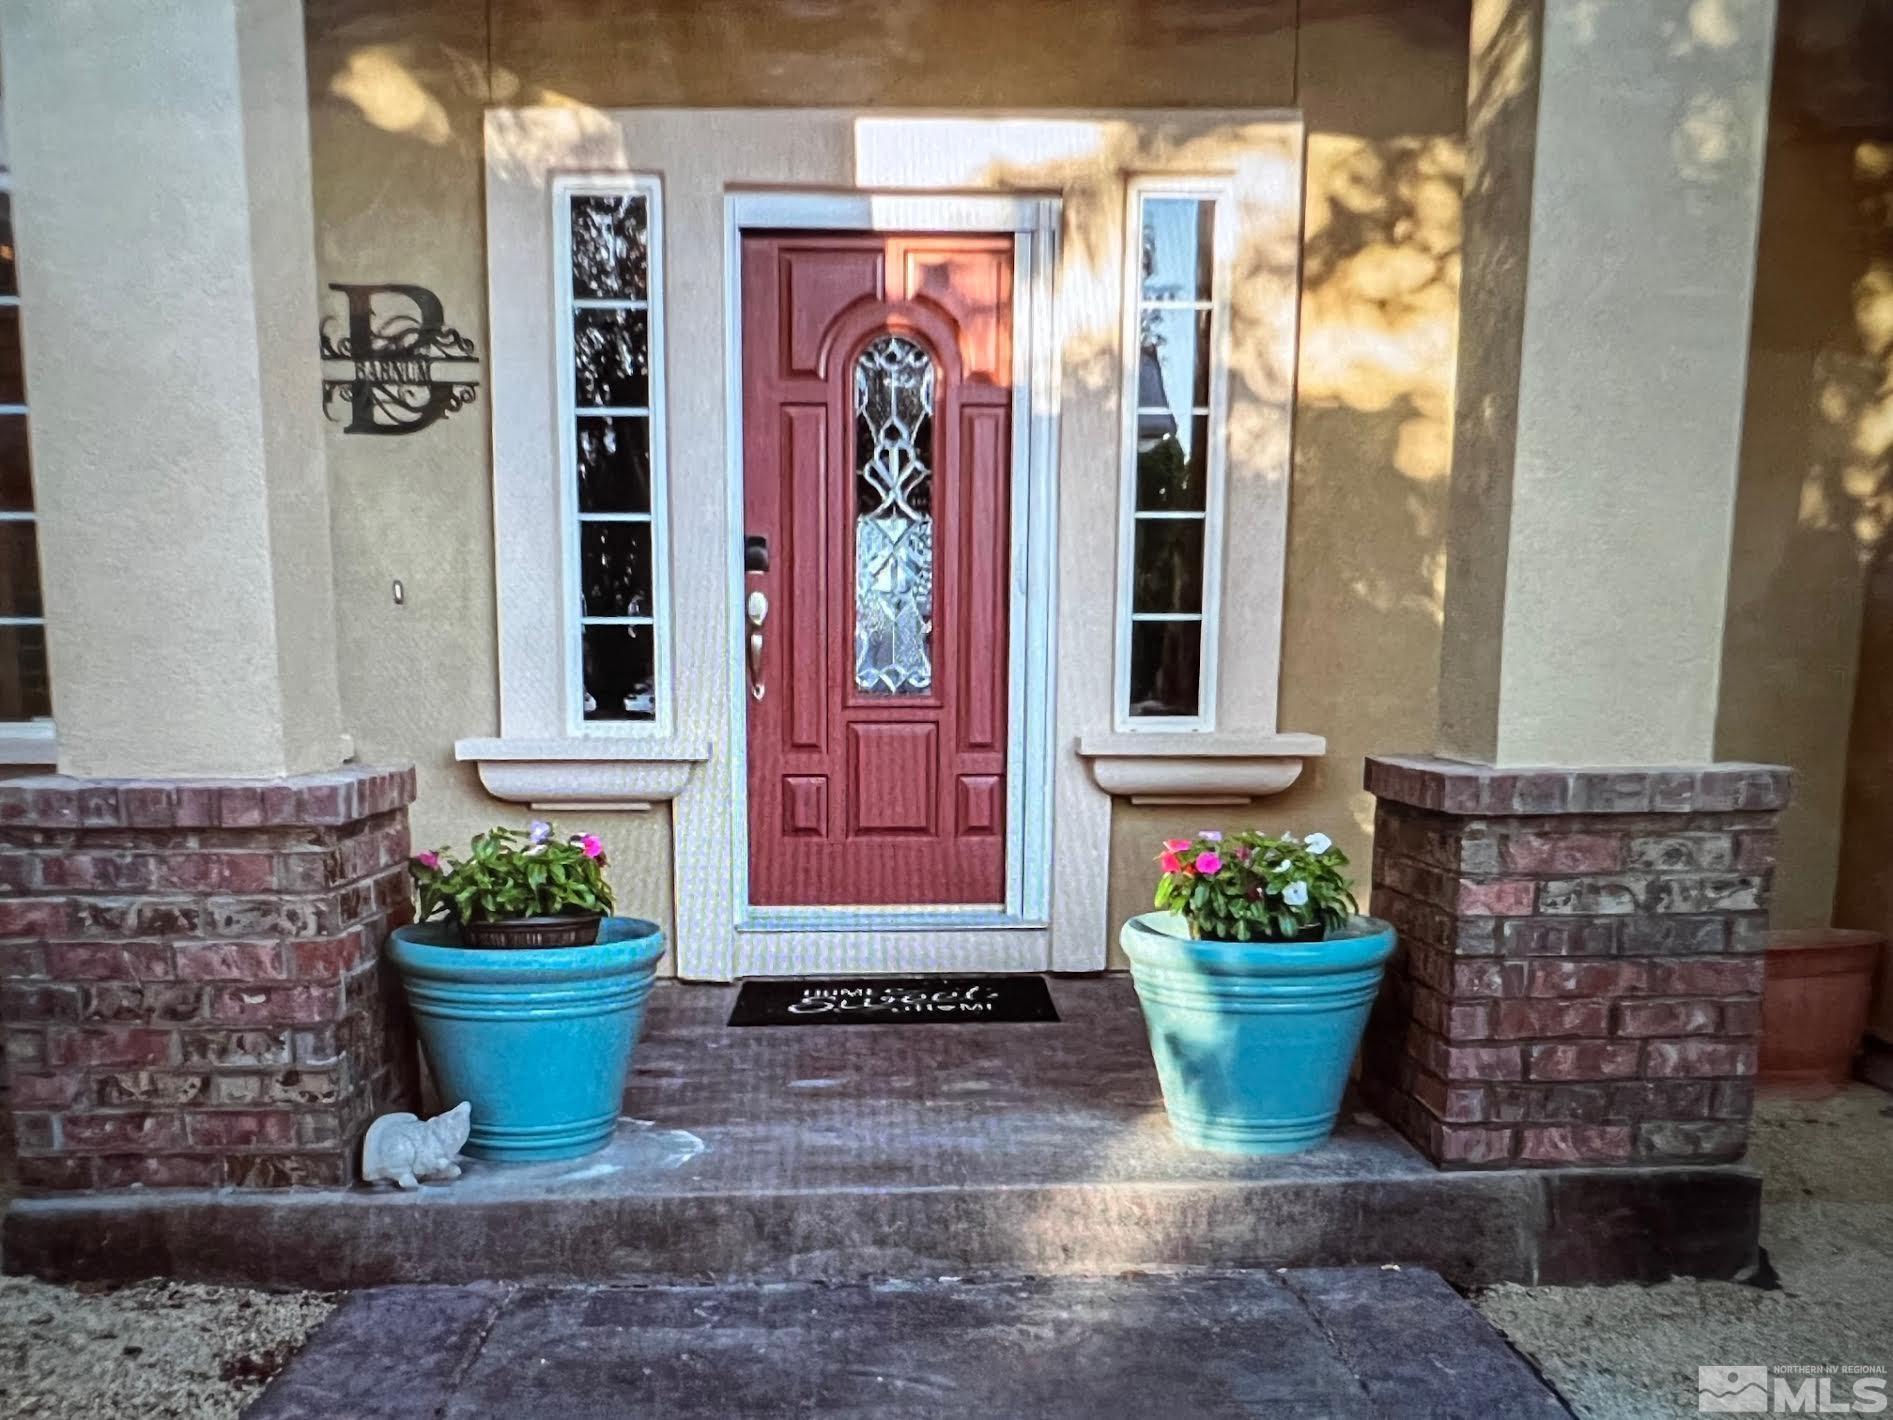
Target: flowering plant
{"points": [[510, 874], [1251, 887]]}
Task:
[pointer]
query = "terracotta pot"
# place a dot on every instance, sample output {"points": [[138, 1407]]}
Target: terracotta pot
{"points": [[524, 933], [1817, 992]]}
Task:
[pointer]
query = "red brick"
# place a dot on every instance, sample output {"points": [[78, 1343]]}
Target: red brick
{"points": [[249, 1005], [1756, 852], [1468, 1021], [1483, 977], [1606, 979], [58, 1171], [1458, 1104], [160, 1171], [235, 1048], [229, 961], [1563, 853], [1521, 1020], [1575, 1144], [1740, 976], [108, 961], [1561, 937], [1693, 1058], [99, 872], [1642, 1018], [1584, 1060], [1480, 1062], [108, 1045], [1665, 1140], [20, 1005], [313, 1170], [240, 806], [1741, 1018], [1459, 1144], [1566, 1104], [328, 958], [149, 805], [1497, 897], [149, 1132], [36, 918], [242, 1128], [40, 1091], [149, 1087]]}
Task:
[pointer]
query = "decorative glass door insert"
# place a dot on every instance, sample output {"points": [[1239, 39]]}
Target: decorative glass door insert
{"points": [[893, 440]]}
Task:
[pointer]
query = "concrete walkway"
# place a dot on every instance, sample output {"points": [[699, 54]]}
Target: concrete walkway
{"points": [[1340, 1342]]}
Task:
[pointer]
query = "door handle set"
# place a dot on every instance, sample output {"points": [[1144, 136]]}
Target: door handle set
{"points": [[756, 611]]}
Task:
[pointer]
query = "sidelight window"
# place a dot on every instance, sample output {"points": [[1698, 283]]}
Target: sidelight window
{"points": [[612, 450], [25, 694], [893, 453], [1174, 401]]}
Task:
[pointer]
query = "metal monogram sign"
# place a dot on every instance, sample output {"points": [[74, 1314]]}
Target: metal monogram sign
{"points": [[411, 368]]}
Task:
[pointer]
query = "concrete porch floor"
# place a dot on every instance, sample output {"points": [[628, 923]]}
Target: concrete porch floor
{"points": [[857, 1152]]}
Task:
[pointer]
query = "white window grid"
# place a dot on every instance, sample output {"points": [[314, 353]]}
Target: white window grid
{"points": [[1217, 193], [572, 521]]}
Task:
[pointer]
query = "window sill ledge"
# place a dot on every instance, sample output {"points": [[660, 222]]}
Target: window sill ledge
{"points": [[28, 743], [1196, 769], [602, 773]]}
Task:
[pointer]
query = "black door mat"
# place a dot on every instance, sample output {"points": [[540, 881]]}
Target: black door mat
{"points": [[893, 1001]]}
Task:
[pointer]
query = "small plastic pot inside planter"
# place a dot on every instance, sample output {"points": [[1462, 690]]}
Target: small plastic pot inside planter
{"points": [[522, 933]]}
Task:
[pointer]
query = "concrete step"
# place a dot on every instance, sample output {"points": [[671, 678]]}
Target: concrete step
{"points": [[857, 1152], [1346, 1343]]}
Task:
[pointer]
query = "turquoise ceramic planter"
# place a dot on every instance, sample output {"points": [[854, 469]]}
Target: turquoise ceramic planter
{"points": [[1253, 1040], [538, 1040]]}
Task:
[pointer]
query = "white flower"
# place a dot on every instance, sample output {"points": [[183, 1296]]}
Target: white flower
{"points": [[1296, 893], [1288, 838], [1319, 843], [540, 831], [1210, 835]]}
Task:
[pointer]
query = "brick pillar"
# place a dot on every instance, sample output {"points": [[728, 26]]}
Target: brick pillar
{"points": [[1579, 968], [193, 993]]}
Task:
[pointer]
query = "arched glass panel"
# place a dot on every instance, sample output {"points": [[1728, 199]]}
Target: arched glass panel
{"points": [[893, 499]]}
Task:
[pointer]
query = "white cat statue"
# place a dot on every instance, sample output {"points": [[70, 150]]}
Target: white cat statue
{"points": [[404, 1150]]}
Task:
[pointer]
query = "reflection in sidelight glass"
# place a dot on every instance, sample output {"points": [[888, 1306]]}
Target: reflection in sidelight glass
{"points": [[893, 424]]}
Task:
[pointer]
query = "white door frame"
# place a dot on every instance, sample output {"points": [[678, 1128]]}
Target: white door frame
{"points": [[767, 941]]}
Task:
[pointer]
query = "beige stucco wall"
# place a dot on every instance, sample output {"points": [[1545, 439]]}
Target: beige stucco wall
{"points": [[170, 366], [396, 105]]}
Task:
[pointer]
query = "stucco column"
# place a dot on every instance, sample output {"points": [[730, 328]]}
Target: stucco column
{"points": [[1613, 191], [1581, 896], [161, 161]]}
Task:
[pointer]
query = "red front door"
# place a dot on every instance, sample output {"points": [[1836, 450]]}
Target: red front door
{"points": [[877, 439]]}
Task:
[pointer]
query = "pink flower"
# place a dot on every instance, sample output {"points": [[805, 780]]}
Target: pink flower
{"points": [[1176, 845], [428, 860], [1209, 863], [593, 848], [1241, 853], [1170, 863]]}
